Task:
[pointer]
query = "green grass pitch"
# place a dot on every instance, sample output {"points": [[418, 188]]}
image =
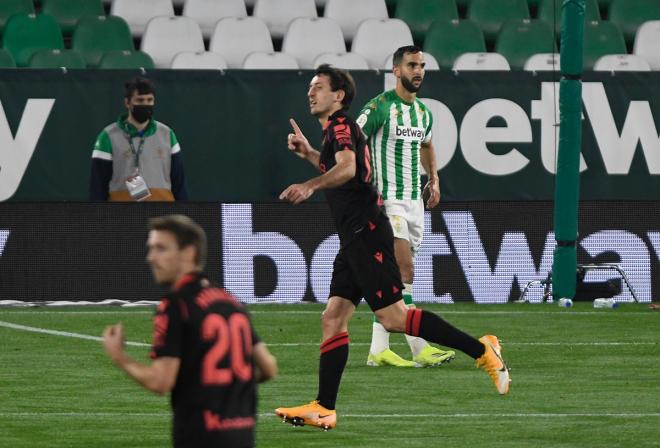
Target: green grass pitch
{"points": [[581, 378]]}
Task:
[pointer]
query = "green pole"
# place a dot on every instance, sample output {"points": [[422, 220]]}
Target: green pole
{"points": [[567, 182]]}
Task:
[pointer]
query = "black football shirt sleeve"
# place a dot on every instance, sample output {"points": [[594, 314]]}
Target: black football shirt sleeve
{"points": [[341, 136], [168, 330]]}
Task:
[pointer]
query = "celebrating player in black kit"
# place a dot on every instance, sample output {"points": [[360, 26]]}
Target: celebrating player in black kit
{"points": [[205, 350], [365, 266]]}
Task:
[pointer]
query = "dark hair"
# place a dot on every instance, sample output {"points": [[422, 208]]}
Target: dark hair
{"points": [[401, 51], [142, 85], [339, 80], [186, 231]]}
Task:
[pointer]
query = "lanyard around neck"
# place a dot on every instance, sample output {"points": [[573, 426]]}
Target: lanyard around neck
{"points": [[136, 152]]}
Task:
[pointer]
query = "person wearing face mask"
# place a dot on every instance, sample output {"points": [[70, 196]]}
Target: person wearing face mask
{"points": [[137, 158]]}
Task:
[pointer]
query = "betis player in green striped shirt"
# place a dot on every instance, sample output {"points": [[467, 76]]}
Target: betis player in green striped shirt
{"points": [[398, 127]]}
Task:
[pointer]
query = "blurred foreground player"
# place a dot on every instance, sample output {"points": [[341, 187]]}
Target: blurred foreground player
{"points": [[365, 266], [205, 350]]}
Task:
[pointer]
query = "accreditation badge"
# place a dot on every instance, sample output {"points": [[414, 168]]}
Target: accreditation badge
{"points": [[137, 187]]}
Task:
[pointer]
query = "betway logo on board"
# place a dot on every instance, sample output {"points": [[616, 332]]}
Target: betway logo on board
{"points": [[488, 280], [615, 144], [410, 133], [16, 151], [4, 236]]}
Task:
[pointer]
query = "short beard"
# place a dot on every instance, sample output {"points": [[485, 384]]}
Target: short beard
{"points": [[409, 86]]}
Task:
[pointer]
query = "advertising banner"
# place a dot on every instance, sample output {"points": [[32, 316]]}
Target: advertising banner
{"points": [[274, 252], [495, 134]]}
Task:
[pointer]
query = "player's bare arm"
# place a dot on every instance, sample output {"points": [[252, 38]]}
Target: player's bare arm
{"points": [[298, 143], [432, 187], [159, 376], [265, 363], [338, 175]]}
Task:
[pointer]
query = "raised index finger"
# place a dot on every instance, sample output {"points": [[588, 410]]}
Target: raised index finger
{"points": [[295, 127]]}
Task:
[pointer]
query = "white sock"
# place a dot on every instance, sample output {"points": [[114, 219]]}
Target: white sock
{"points": [[380, 339], [416, 344]]}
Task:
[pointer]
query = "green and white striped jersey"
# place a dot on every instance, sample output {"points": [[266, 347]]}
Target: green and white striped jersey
{"points": [[396, 130]]}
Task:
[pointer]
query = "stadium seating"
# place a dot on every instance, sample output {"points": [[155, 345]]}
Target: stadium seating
{"points": [[621, 62], [501, 26], [481, 61], [138, 13], [490, 15], [10, 7], [308, 37], [164, 37], [350, 13], [27, 33], [236, 37], [550, 12], [6, 59], [542, 62], [376, 39], [520, 39], [126, 59], [646, 43], [69, 12], [347, 61], [630, 14], [601, 38], [115, 32], [56, 59], [431, 63], [419, 14], [277, 14], [273, 61], [199, 60], [208, 12], [446, 40]]}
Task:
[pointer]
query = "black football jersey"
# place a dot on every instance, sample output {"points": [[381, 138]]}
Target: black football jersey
{"points": [[356, 202], [214, 399]]}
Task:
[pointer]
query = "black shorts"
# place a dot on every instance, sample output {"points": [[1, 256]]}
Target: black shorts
{"points": [[366, 268]]}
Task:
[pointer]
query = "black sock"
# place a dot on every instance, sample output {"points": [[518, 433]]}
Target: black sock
{"points": [[433, 328], [334, 355]]}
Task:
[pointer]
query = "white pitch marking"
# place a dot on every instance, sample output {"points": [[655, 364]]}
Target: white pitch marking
{"points": [[369, 416], [298, 344], [63, 333]]}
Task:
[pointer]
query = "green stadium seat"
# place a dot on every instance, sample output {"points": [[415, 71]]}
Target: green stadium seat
{"points": [[126, 60], [550, 12], [69, 12], [27, 33], [446, 40], [10, 7], [56, 59], [6, 60], [491, 14], [520, 39], [601, 38], [97, 35], [419, 14], [630, 14]]}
